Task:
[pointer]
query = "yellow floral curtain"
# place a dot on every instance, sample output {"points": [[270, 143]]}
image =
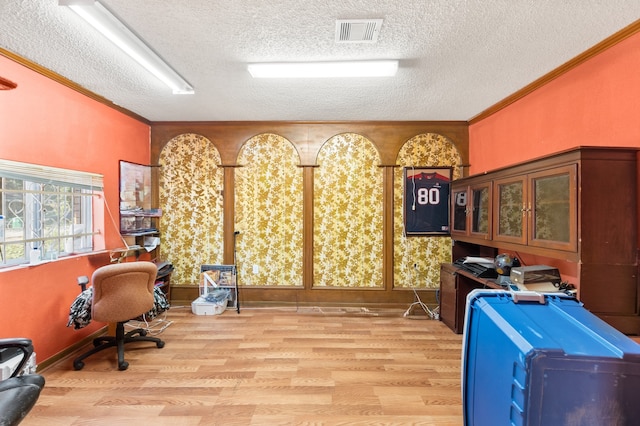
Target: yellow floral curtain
{"points": [[268, 212], [417, 259], [190, 183], [348, 214], [347, 217]]}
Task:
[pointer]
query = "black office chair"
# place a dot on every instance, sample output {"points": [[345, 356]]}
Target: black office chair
{"points": [[18, 393]]}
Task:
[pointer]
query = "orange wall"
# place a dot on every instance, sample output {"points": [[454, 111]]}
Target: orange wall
{"points": [[594, 104], [44, 122]]}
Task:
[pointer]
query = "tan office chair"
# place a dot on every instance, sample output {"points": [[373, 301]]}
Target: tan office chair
{"points": [[121, 291]]}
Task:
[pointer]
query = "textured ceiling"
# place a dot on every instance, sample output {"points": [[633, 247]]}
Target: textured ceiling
{"points": [[457, 57]]}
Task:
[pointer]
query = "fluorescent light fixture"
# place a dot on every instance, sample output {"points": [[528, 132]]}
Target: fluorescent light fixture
{"points": [[115, 30], [382, 68]]}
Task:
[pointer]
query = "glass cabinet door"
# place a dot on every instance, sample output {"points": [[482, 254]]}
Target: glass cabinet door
{"points": [[471, 211], [481, 210], [459, 220], [510, 210], [553, 218]]}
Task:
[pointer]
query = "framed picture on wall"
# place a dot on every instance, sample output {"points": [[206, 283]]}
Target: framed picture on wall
{"points": [[135, 186], [135, 197], [426, 200]]}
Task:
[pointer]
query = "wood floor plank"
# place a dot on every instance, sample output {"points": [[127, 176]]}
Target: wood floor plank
{"points": [[267, 367]]}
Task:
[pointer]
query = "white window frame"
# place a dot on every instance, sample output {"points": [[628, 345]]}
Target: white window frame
{"points": [[45, 208]]}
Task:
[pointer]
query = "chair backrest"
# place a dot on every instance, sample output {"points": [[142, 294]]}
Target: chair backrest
{"points": [[122, 291]]}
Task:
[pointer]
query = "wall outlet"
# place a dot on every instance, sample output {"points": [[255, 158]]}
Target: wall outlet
{"points": [[256, 269]]}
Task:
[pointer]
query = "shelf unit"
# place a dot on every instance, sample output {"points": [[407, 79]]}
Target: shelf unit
{"points": [[139, 230], [139, 222], [578, 207], [227, 278]]}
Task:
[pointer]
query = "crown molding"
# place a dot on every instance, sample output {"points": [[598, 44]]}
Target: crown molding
{"points": [[561, 70], [70, 84]]}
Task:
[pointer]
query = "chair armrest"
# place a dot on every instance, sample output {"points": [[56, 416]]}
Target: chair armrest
{"points": [[22, 343], [18, 395]]}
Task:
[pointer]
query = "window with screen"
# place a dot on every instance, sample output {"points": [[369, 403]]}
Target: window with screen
{"points": [[47, 209]]}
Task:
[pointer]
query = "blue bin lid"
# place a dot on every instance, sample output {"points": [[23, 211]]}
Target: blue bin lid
{"points": [[550, 322], [542, 332]]}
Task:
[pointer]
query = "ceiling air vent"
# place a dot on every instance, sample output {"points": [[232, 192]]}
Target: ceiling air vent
{"points": [[357, 30]]}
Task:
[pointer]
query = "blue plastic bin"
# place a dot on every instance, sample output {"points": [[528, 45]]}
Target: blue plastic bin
{"points": [[544, 360]]}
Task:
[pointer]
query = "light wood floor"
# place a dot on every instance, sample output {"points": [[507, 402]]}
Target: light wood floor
{"points": [[267, 367]]}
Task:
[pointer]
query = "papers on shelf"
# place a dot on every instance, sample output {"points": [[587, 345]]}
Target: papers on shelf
{"points": [[487, 262], [150, 243]]}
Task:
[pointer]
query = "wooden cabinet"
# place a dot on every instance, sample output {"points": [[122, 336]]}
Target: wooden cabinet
{"points": [[578, 207], [537, 209], [455, 285], [449, 297]]}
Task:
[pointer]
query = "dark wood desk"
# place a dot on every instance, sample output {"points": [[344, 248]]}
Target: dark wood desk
{"points": [[455, 284]]}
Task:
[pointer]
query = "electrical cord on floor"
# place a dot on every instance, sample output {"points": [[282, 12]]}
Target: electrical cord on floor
{"points": [[431, 314], [435, 314], [152, 327]]}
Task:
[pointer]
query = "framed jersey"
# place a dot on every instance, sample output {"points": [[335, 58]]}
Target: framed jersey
{"points": [[426, 200]]}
